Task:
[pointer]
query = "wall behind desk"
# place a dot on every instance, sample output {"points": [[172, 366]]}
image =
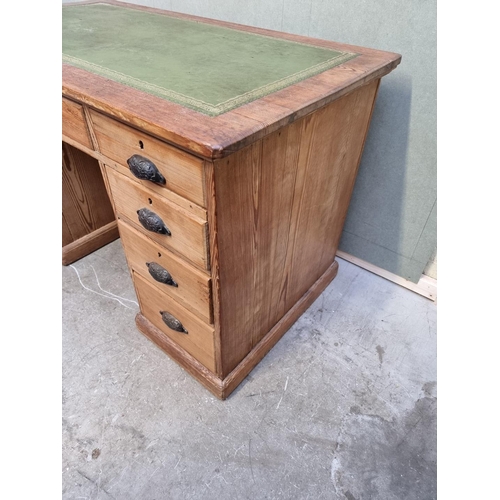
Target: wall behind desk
{"points": [[392, 217]]}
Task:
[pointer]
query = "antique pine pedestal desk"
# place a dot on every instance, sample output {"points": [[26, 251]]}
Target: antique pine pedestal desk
{"points": [[229, 154]]}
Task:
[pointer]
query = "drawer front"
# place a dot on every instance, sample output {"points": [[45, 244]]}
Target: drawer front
{"points": [[199, 339], [74, 125], [180, 281], [182, 172], [188, 234]]}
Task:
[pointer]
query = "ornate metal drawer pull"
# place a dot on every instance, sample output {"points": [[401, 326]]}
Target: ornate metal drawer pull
{"points": [[172, 322], [152, 222], [160, 274], [145, 169]]}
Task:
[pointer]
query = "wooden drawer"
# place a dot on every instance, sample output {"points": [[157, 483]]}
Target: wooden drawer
{"points": [[199, 339], [74, 125], [193, 288], [183, 173], [188, 233]]}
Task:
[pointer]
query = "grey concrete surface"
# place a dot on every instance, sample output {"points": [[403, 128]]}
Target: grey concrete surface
{"points": [[343, 407]]}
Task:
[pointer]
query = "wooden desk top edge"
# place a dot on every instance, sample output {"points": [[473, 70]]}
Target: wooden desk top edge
{"points": [[217, 137]]}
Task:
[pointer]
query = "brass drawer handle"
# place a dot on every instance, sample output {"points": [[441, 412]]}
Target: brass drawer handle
{"points": [[145, 169], [172, 322], [160, 274], [152, 222]]}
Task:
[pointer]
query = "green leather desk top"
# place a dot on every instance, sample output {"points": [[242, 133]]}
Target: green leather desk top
{"points": [[208, 68]]}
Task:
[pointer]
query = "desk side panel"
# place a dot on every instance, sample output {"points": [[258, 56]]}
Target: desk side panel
{"points": [[281, 205], [88, 220]]}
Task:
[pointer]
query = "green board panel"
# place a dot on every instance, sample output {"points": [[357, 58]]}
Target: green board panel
{"points": [[207, 68]]}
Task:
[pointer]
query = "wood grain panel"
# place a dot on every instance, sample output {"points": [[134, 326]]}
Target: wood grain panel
{"points": [[85, 203], [89, 243], [189, 233], [214, 260], [73, 123], [232, 380], [271, 179], [335, 149], [193, 290], [281, 204], [222, 388], [184, 203], [199, 341], [165, 192], [183, 172], [66, 233]]}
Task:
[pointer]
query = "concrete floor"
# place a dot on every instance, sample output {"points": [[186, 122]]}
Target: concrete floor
{"points": [[343, 407]]}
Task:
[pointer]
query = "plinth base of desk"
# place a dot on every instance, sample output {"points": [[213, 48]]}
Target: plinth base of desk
{"points": [[213, 383], [222, 388], [89, 243]]}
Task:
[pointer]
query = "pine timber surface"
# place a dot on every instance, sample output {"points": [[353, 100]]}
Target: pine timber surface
{"points": [[183, 172], [88, 221], [223, 387], [199, 340], [256, 202], [281, 205], [222, 135], [73, 123], [189, 234], [89, 243]]}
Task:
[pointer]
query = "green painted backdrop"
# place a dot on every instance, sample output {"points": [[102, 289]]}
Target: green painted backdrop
{"points": [[392, 217]]}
